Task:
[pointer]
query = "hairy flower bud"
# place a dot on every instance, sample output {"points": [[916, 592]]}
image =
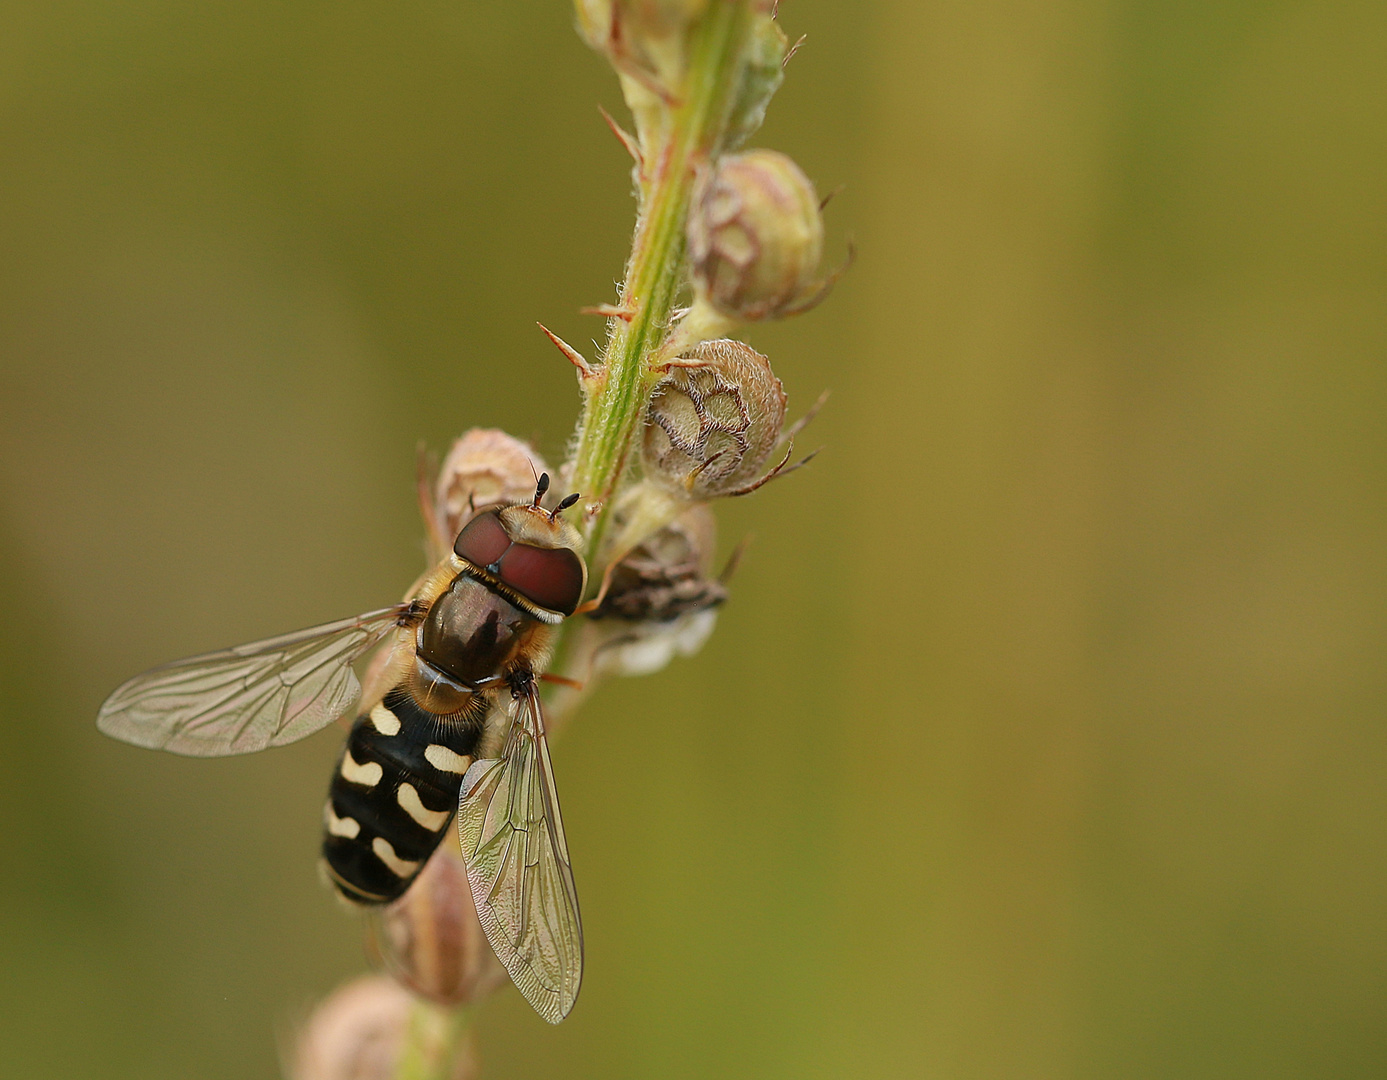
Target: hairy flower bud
{"points": [[432, 940], [368, 1027], [713, 421], [485, 468], [756, 236]]}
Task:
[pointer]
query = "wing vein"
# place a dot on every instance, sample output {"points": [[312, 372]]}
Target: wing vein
{"points": [[524, 894]]}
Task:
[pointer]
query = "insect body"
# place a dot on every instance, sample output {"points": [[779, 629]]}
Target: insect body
{"points": [[460, 729]]}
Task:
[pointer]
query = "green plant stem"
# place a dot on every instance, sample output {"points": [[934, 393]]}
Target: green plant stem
{"points": [[694, 130], [439, 1040]]}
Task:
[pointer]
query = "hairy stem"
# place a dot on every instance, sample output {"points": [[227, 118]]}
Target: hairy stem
{"points": [[692, 132]]}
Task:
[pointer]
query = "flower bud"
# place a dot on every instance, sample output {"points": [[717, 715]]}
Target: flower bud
{"points": [[645, 648], [644, 39], [755, 237], [365, 1030], [662, 597], [713, 420], [485, 468], [594, 22], [431, 939], [668, 574]]}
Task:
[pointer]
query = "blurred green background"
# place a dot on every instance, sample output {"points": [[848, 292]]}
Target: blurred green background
{"points": [[1044, 734]]}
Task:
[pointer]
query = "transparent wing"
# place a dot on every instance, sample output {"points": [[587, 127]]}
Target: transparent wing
{"points": [[518, 868], [267, 693]]}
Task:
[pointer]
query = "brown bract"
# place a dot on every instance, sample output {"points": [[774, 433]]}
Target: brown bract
{"points": [[645, 40]]}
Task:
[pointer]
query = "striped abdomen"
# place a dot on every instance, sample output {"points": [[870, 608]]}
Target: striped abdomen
{"points": [[393, 795]]}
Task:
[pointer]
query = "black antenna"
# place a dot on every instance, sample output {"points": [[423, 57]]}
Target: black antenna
{"points": [[541, 487], [569, 501]]}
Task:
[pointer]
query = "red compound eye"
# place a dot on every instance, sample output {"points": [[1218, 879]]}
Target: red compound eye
{"points": [[484, 540], [553, 578]]}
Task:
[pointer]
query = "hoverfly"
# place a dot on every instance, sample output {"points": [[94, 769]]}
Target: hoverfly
{"points": [[460, 730]]}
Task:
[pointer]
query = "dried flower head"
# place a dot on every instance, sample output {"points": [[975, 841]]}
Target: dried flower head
{"points": [[713, 421], [367, 1028], [432, 940], [662, 598], [669, 574], [756, 237], [645, 648]]}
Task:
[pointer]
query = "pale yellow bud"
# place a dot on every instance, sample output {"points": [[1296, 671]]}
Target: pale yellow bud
{"points": [[367, 1028], [756, 236], [713, 421], [595, 22], [644, 39]]}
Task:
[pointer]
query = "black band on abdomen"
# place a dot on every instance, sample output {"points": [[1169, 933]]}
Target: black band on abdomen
{"points": [[393, 794]]}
